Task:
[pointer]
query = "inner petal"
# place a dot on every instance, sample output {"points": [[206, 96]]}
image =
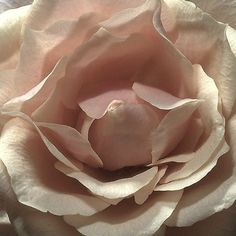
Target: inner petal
{"points": [[122, 136]]}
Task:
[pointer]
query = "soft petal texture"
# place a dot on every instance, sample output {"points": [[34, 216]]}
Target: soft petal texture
{"points": [[142, 195], [5, 226], [10, 4], [223, 10], [36, 182], [47, 12], [11, 23], [72, 141], [29, 101], [122, 137], [26, 220], [96, 54], [214, 145], [159, 98], [95, 103], [99, 184], [129, 219], [186, 25], [172, 129], [221, 223], [188, 143], [212, 194]]}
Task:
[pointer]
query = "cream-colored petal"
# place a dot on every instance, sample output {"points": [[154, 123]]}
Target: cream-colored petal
{"points": [[25, 220], [35, 180], [10, 32], [36, 95], [223, 10], [142, 195], [99, 184], [181, 183], [221, 223], [11, 4], [185, 26], [127, 218], [172, 129], [52, 148], [214, 129], [217, 191]]}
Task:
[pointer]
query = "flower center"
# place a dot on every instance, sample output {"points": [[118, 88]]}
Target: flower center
{"points": [[122, 137]]}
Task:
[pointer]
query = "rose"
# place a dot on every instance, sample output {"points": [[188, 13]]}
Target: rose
{"points": [[88, 85]]}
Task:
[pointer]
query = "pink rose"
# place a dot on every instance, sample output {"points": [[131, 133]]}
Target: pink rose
{"points": [[118, 116]]}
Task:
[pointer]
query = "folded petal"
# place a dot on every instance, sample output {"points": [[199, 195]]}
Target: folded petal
{"points": [[223, 11], [142, 195], [159, 98], [10, 33], [214, 129], [45, 12], [127, 218], [25, 220], [72, 141], [212, 194], [172, 129], [221, 223], [33, 98], [35, 180], [187, 145], [186, 25], [100, 184], [94, 99]]}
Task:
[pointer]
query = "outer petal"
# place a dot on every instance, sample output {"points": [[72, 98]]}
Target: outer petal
{"points": [[221, 223], [223, 10], [186, 25], [35, 180], [10, 33], [10, 4], [214, 193], [127, 218], [25, 220]]}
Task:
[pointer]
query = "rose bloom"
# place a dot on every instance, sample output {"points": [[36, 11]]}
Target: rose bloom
{"points": [[118, 117]]}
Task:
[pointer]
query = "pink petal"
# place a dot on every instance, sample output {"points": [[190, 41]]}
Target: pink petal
{"points": [[122, 137], [72, 141], [187, 145], [94, 99], [185, 26], [159, 98], [172, 129], [212, 120], [45, 13]]}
